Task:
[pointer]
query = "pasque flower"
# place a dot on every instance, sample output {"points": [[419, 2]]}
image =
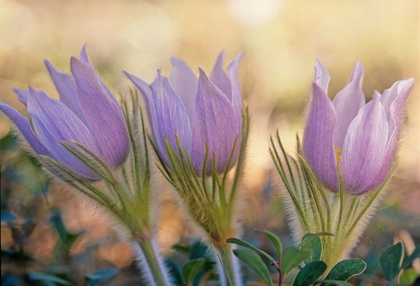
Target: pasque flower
{"points": [[200, 112], [361, 139], [87, 113]]}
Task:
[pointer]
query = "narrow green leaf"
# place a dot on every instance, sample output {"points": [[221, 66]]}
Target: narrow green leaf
{"points": [[315, 245], [391, 260], [100, 275], [310, 273], [409, 260], [49, 278], [346, 269], [255, 263], [275, 241], [175, 272], [191, 269], [292, 257], [247, 245], [308, 237]]}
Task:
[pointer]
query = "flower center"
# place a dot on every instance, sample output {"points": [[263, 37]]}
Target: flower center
{"points": [[338, 154]]}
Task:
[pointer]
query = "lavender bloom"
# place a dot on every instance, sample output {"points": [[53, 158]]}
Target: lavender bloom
{"points": [[203, 111], [86, 113], [361, 139]]}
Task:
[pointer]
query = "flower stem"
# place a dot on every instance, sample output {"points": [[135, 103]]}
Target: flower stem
{"points": [[229, 272], [150, 264]]}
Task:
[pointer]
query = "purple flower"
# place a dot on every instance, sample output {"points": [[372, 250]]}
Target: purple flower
{"points": [[361, 139], [86, 113], [203, 111]]}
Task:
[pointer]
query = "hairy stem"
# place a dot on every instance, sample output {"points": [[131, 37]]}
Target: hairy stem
{"points": [[150, 263], [229, 272]]}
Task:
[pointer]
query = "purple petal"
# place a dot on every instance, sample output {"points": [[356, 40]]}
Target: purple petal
{"points": [[83, 55], [234, 82], [394, 109], [53, 122], [322, 77], [66, 87], [215, 125], [219, 78], [347, 104], [184, 82], [171, 116], [24, 126], [318, 146], [105, 119], [150, 105], [22, 94], [364, 146]]}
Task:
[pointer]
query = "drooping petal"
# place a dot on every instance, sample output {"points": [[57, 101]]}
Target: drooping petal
{"points": [[234, 83], [24, 126], [318, 146], [105, 119], [219, 78], [364, 146], [66, 87], [322, 77], [347, 104], [394, 110], [53, 123], [22, 94], [184, 82], [150, 105], [171, 116], [215, 124]]}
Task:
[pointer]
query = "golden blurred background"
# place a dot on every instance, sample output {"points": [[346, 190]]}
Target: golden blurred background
{"points": [[281, 40]]}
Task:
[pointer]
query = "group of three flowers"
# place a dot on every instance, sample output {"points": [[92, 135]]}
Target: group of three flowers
{"points": [[204, 114]]}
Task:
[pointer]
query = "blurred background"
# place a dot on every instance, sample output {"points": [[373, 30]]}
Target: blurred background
{"points": [[46, 229]]}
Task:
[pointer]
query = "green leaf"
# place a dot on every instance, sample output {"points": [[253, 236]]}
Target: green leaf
{"points": [[48, 278], [181, 247], [175, 272], [191, 269], [391, 260], [346, 269], [247, 245], [409, 276], [335, 282], [255, 263], [292, 257], [310, 273], [409, 260], [100, 275], [309, 236], [315, 244], [275, 241]]}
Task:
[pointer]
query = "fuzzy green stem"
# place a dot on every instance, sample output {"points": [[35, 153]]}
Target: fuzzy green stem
{"points": [[150, 264], [230, 267]]}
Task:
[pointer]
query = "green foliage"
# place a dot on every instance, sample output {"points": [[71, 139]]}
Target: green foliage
{"points": [[391, 261], [243, 243], [255, 263], [292, 257], [275, 241], [409, 276], [346, 269], [310, 273], [48, 279], [100, 275], [191, 269], [315, 245]]}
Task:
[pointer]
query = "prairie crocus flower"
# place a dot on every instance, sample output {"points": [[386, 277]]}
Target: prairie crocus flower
{"points": [[86, 113], [203, 113], [200, 133], [361, 139]]}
